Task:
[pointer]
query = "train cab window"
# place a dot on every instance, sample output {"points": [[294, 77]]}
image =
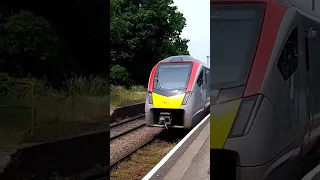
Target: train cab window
{"points": [[234, 35], [288, 60], [172, 76], [200, 79]]}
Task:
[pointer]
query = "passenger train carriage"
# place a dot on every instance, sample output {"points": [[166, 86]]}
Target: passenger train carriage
{"points": [[178, 93], [265, 88]]}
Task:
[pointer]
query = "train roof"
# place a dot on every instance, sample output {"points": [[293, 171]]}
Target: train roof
{"points": [[181, 58], [304, 7]]}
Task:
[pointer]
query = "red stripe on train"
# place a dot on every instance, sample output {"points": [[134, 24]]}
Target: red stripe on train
{"points": [[151, 80], [272, 19], [195, 66]]}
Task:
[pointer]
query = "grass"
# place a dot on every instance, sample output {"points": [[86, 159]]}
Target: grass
{"points": [[120, 96], [37, 112], [141, 162]]}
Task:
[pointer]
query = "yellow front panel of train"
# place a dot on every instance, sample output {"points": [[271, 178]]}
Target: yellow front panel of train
{"points": [[222, 117], [171, 102]]}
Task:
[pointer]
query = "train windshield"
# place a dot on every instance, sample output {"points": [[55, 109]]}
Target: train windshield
{"points": [[172, 76], [234, 33]]}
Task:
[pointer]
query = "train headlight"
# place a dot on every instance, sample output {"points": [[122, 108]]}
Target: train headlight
{"points": [[245, 116], [187, 97], [150, 98]]}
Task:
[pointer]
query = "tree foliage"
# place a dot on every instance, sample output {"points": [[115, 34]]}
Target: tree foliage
{"points": [[142, 32], [56, 43], [54, 39], [119, 75], [27, 43]]}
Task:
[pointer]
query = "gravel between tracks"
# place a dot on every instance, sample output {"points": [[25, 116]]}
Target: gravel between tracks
{"points": [[125, 127], [122, 145]]}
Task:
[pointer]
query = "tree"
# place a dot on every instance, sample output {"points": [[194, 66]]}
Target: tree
{"points": [[28, 43], [142, 32], [119, 76]]}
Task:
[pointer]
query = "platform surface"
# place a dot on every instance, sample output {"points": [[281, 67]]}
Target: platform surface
{"points": [[314, 174], [194, 164]]}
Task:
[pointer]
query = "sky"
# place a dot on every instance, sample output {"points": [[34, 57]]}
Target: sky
{"points": [[197, 14]]}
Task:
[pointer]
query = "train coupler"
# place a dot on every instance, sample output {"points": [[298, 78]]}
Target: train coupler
{"points": [[165, 119]]}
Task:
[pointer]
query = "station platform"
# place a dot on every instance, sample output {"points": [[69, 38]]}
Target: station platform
{"points": [[189, 159], [314, 174]]}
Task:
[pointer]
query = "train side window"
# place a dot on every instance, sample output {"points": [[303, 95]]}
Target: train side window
{"points": [[288, 61], [200, 79]]}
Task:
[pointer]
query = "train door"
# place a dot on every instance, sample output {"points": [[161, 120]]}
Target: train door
{"points": [[300, 101], [203, 89], [306, 104], [207, 75], [206, 89], [288, 65], [313, 79], [200, 84]]}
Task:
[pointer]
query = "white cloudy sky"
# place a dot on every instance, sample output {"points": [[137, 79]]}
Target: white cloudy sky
{"points": [[197, 14]]}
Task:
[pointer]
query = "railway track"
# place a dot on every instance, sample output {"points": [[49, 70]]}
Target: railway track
{"points": [[104, 175], [125, 156], [117, 130], [120, 129]]}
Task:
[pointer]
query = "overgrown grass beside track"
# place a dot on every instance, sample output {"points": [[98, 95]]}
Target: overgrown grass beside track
{"points": [[141, 162], [31, 110], [120, 96]]}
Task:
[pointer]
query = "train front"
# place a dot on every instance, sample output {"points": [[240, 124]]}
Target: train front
{"points": [[169, 97]]}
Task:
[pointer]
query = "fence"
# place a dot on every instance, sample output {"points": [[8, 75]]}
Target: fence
{"points": [[26, 116], [16, 111], [29, 115], [16, 102]]}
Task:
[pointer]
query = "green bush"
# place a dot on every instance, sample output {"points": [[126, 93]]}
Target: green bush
{"points": [[93, 85], [119, 76]]}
